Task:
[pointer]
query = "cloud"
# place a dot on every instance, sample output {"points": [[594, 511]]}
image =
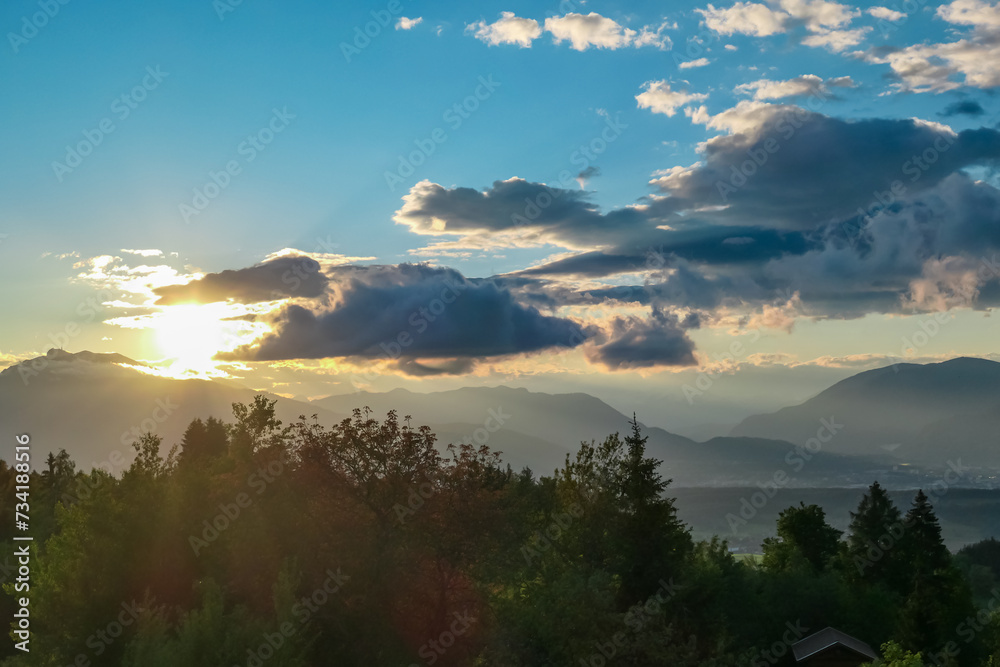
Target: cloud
{"points": [[819, 15], [282, 277], [845, 213], [826, 22], [152, 252], [447, 367], [700, 62], [410, 312], [807, 84], [508, 29], [885, 13], [584, 176], [837, 40], [971, 12], [408, 24], [819, 169], [946, 66], [584, 31], [514, 212], [963, 108], [746, 18], [660, 340], [658, 97]]}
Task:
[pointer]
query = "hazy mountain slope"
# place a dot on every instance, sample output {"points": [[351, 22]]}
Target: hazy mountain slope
{"points": [[92, 407], [540, 429], [916, 413], [566, 418]]}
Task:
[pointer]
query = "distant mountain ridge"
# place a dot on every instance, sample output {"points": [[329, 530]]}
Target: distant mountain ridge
{"points": [[921, 414], [94, 405]]}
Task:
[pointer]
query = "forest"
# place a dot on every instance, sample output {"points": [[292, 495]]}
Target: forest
{"points": [[253, 542]]}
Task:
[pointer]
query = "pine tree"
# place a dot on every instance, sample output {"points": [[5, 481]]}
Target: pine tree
{"points": [[193, 444], [653, 540], [873, 542], [922, 543]]}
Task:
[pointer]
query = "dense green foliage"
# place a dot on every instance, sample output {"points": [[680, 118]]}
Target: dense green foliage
{"points": [[367, 544]]}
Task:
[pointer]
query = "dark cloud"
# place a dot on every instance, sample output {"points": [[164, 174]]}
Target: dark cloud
{"points": [[411, 311], [870, 264], [660, 340], [792, 169], [716, 245], [544, 213], [283, 277], [963, 108], [447, 367]]}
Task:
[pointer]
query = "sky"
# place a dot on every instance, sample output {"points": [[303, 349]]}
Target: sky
{"points": [[694, 210]]}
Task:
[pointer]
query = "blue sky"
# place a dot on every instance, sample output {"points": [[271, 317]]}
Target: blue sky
{"points": [[211, 76]]}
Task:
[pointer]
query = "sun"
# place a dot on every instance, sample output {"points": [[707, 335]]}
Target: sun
{"points": [[191, 335]]}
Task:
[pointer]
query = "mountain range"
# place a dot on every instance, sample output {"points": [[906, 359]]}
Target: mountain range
{"points": [[917, 414], [898, 424]]}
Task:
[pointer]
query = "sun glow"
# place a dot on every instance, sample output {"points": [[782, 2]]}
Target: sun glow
{"points": [[191, 335]]}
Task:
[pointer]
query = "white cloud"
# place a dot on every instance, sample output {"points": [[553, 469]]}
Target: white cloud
{"points": [[747, 117], [730, 47], [820, 15], [807, 84], [593, 30], [508, 29], [659, 98], [150, 252], [406, 24], [649, 37], [825, 21], [837, 40], [970, 61], [747, 18], [971, 12], [886, 13], [700, 62]]}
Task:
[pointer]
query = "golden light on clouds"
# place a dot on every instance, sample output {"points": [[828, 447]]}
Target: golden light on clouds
{"points": [[189, 336]]}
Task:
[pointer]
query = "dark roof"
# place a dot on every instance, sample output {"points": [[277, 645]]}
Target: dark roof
{"points": [[826, 638]]}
